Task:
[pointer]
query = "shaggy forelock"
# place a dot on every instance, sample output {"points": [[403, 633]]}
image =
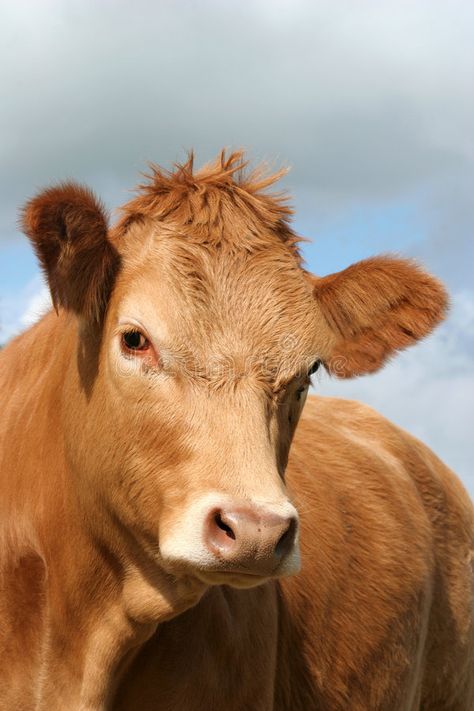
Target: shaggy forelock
{"points": [[222, 204]]}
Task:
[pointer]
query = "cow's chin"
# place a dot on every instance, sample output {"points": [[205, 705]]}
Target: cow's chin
{"points": [[233, 579], [212, 575]]}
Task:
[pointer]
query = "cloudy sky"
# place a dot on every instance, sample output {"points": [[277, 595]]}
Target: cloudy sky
{"points": [[370, 102]]}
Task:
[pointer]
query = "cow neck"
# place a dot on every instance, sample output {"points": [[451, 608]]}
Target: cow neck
{"points": [[103, 605]]}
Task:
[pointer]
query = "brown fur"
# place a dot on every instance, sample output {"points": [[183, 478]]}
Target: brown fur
{"points": [[219, 204], [101, 456], [68, 230], [380, 616], [377, 307]]}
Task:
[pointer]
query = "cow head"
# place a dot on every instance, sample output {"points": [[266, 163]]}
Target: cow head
{"points": [[205, 329]]}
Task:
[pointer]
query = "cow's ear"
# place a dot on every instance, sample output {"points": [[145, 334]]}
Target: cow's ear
{"points": [[67, 226], [375, 308]]}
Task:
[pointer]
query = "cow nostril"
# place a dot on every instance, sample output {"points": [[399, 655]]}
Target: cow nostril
{"points": [[254, 538], [224, 526], [286, 540]]}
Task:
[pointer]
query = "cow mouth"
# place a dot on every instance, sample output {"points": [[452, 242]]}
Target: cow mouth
{"points": [[221, 573], [233, 578], [237, 577]]}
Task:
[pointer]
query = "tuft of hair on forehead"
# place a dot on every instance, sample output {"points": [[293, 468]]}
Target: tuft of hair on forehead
{"points": [[221, 204]]}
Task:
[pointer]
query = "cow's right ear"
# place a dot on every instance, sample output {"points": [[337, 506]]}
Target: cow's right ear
{"points": [[67, 226]]}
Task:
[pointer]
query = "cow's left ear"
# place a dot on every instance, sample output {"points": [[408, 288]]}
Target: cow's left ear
{"points": [[67, 226], [375, 308]]}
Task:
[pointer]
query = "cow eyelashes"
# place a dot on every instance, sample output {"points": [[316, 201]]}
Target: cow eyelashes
{"points": [[133, 341]]}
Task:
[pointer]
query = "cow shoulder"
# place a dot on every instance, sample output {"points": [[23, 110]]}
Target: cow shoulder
{"points": [[384, 530]]}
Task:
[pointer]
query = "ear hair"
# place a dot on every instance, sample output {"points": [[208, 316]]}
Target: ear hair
{"points": [[375, 308], [67, 227]]}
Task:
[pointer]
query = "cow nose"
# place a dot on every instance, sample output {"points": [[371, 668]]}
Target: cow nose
{"points": [[248, 539]]}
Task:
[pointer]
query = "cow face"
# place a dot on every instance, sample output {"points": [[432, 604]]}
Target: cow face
{"points": [[212, 360], [198, 331]]}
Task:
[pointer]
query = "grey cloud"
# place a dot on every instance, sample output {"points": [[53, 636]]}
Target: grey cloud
{"points": [[449, 209], [365, 100]]}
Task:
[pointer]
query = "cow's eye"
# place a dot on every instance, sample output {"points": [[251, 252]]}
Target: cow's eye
{"points": [[314, 367], [135, 341]]}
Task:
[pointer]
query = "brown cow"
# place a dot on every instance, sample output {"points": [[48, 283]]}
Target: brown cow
{"points": [[148, 509]]}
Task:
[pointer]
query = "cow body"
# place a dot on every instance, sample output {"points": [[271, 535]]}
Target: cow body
{"points": [[151, 508], [379, 617]]}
